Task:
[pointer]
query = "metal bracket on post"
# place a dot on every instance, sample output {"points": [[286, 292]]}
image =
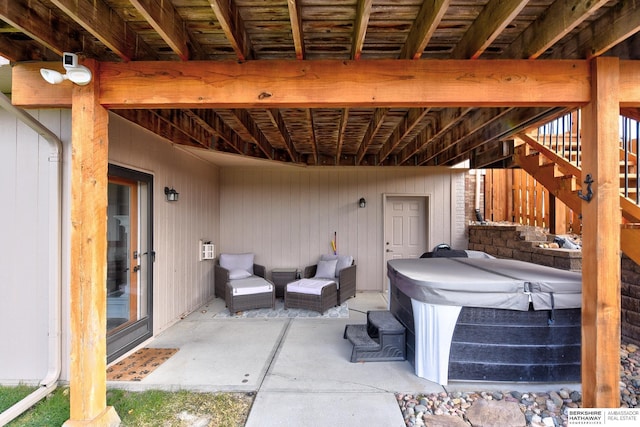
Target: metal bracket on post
{"points": [[587, 197]]}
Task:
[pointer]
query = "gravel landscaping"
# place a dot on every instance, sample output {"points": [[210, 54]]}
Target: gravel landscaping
{"points": [[511, 407]]}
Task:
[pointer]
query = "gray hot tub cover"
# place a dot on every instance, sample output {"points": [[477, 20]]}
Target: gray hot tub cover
{"points": [[488, 283]]}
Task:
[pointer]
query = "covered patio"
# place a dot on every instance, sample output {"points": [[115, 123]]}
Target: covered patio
{"points": [[299, 368], [296, 366]]}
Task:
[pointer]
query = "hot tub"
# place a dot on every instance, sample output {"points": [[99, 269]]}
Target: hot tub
{"points": [[488, 319]]}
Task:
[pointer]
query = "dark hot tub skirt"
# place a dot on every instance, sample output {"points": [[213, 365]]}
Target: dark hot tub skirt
{"points": [[488, 319]]}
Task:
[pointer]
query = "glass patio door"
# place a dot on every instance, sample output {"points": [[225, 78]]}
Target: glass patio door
{"points": [[129, 260]]}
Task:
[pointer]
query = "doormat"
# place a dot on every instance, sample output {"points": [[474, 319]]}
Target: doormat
{"points": [[338, 312], [139, 364]]}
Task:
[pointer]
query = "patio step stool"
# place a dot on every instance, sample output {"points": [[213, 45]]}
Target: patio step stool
{"points": [[382, 339]]}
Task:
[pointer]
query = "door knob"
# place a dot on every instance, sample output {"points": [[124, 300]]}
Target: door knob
{"points": [[389, 250]]}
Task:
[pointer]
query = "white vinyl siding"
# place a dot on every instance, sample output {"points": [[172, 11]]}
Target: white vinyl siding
{"points": [[24, 257], [288, 216], [181, 282]]}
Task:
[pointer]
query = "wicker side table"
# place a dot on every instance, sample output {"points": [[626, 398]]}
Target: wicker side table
{"points": [[281, 277]]}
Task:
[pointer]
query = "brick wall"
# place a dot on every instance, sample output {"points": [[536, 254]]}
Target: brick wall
{"points": [[523, 243]]}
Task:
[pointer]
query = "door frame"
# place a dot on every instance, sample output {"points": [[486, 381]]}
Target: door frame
{"points": [[133, 225], [426, 197], [133, 335]]}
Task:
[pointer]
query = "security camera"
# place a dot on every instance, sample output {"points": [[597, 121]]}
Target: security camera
{"points": [[78, 74], [69, 61]]}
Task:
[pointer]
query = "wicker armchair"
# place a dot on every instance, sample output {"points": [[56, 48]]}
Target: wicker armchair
{"points": [[346, 280], [221, 277], [240, 289]]}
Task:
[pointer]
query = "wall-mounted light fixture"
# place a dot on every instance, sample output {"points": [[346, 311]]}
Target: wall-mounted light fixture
{"points": [[362, 202], [78, 74], [172, 195]]}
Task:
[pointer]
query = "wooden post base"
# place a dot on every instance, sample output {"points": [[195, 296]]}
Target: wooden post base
{"points": [[107, 418]]}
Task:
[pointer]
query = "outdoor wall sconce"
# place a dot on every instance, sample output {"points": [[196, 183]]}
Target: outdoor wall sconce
{"points": [[78, 74], [362, 202], [172, 195]]}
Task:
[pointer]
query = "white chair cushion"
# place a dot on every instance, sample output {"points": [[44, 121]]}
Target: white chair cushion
{"points": [[344, 261], [250, 286], [237, 262], [238, 274], [308, 286], [326, 269]]}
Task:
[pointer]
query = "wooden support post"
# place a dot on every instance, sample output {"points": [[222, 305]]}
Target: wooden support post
{"points": [[89, 162], [601, 240]]}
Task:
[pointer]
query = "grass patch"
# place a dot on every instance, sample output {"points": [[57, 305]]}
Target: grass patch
{"points": [[140, 409], [9, 396], [51, 411]]}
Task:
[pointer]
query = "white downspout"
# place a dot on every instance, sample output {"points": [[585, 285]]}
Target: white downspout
{"points": [[50, 381], [477, 195]]}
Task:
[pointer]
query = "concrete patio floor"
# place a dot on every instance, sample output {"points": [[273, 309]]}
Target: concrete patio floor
{"points": [[299, 368]]}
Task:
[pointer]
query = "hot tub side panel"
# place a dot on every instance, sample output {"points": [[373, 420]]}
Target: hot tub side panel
{"points": [[400, 306], [505, 345]]}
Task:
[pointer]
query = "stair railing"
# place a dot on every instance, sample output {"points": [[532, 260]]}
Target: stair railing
{"points": [[562, 135], [630, 129]]}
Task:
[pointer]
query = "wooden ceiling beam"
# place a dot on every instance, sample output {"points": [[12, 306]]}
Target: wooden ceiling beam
{"points": [[493, 153], [189, 127], [314, 142], [35, 20], [556, 22], [407, 156], [472, 122], [327, 83], [493, 19], [616, 25], [360, 27], [278, 121], [322, 84], [196, 117], [107, 26], [423, 27], [232, 24], [10, 50], [344, 120], [184, 123], [227, 134], [164, 18], [496, 129], [374, 126], [413, 117], [210, 121], [295, 16], [344, 83], [153, 122], [24, 50], [446, 118], [257, 136]]}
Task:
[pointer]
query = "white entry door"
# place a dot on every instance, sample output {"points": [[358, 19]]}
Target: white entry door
{"points": [[405, 227]]}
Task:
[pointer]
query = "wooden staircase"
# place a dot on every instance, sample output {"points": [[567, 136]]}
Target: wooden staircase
{"points": [[562, 178]]}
